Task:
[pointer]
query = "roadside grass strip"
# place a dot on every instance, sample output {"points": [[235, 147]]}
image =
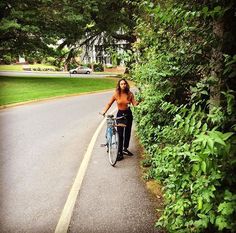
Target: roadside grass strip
{"points": [[21, 89], [20, 67]]}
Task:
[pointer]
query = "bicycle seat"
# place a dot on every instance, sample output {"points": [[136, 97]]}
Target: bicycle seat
{"points": [[120, 125]]}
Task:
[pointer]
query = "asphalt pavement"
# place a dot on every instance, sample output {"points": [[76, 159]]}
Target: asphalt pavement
{"points": [[42, 145], [114, 199]]}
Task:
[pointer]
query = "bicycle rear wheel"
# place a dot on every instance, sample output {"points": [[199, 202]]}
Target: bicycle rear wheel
{"points": [[113, 144]]}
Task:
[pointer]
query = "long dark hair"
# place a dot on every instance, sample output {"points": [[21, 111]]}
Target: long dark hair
{"points": [[118, 89]]}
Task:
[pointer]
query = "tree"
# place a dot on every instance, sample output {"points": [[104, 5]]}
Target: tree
{"points": [[27, 27]]}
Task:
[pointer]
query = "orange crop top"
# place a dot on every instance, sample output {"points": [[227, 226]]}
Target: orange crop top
{"points": [[123, 100]]}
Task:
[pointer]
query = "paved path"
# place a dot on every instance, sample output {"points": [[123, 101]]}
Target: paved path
{"points": [[113, 199], [42, 146]]}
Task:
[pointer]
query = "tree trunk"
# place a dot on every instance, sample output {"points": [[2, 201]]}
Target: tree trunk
{"points": [[216, 65], [65, 67]]}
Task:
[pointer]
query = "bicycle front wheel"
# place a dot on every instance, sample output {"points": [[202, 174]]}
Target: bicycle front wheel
{"points": [[113, 148]]}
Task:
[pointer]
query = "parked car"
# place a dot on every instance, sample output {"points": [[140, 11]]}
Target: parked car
{"points": [[81, 70]]}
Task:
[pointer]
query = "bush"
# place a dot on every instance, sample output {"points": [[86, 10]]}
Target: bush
{"points": [[89, 65], [7, 59], [191, 141], [109, 66], [98, 67], [27, 69], [58, 69], [51, 60], [30, 60], [71, 66]]}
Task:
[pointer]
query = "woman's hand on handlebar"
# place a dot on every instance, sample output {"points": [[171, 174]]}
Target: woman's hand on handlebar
{"points": [[102, 113]]}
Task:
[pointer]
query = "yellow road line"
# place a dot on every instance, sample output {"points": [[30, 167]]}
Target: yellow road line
{"points": [[64, 221]]}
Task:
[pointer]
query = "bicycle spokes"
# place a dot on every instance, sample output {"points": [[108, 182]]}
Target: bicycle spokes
{"points": [[113, 148]]}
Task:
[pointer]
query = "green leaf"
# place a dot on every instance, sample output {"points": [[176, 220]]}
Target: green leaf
{"points": [[210, 143], [204, 127], [191, 129], [203, 166], [204, 92], [227, 135], [205, 9], [212, 217], [216, 136], [199, 124], [193, 107], [207, 207], [186, 128], [217, 9], [226, 208], [221, 223], [202, 222], [199, 203], [193, 121], [195, 168]]}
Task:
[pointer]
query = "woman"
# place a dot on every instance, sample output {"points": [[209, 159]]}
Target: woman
{"points": [[123, 97]]}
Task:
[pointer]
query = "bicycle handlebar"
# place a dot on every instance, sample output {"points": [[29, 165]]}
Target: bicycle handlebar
{"points": [[111, 116]]}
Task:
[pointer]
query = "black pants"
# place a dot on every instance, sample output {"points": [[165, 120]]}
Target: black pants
{"points": [[124, 132]]}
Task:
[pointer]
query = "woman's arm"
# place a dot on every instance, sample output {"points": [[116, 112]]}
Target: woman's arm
{"points": [[109, 104], [133, 101]]}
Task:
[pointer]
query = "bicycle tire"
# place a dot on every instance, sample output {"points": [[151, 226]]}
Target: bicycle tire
{"points": [[113, 144]]}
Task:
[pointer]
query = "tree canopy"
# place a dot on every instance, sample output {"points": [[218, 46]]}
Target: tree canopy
{"points": [[28, 26]]}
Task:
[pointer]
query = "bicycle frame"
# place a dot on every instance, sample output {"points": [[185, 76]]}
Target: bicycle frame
{"points": [[109, 132], [112, 138]]}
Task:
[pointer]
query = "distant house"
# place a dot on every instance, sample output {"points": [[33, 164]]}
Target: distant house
{"points": [[21, 59], [97, 52]]}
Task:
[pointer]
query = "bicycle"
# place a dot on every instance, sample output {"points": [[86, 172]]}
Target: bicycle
{"points": [[112, 137]]}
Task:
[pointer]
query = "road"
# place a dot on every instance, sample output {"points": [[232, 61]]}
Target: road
{"points": [[50, 74], [42, 147]]}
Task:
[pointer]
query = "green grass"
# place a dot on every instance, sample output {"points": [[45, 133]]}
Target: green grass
{"points": [[41, 66], [20, 89], [20, 67], [11, 68]]}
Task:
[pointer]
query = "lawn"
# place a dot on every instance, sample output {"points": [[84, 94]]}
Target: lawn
{"points": [[20, 67], [32, 66], [11, 68], [20, 89]]}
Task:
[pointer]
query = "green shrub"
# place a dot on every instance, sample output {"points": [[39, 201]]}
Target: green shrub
{"points": [[72, 66], [51, 61], [186, 116], [6, 59], [89, 65], [30, 60], [98, 67]]}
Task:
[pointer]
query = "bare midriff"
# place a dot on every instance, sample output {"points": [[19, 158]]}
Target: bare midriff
{"points": [[123, 101]]}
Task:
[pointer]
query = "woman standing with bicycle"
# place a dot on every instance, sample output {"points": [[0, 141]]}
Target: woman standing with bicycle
{"points": [[123, 97]]}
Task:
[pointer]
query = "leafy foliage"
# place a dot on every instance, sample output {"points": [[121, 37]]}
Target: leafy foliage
{"points": [[26, 27], [186, 117]]}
